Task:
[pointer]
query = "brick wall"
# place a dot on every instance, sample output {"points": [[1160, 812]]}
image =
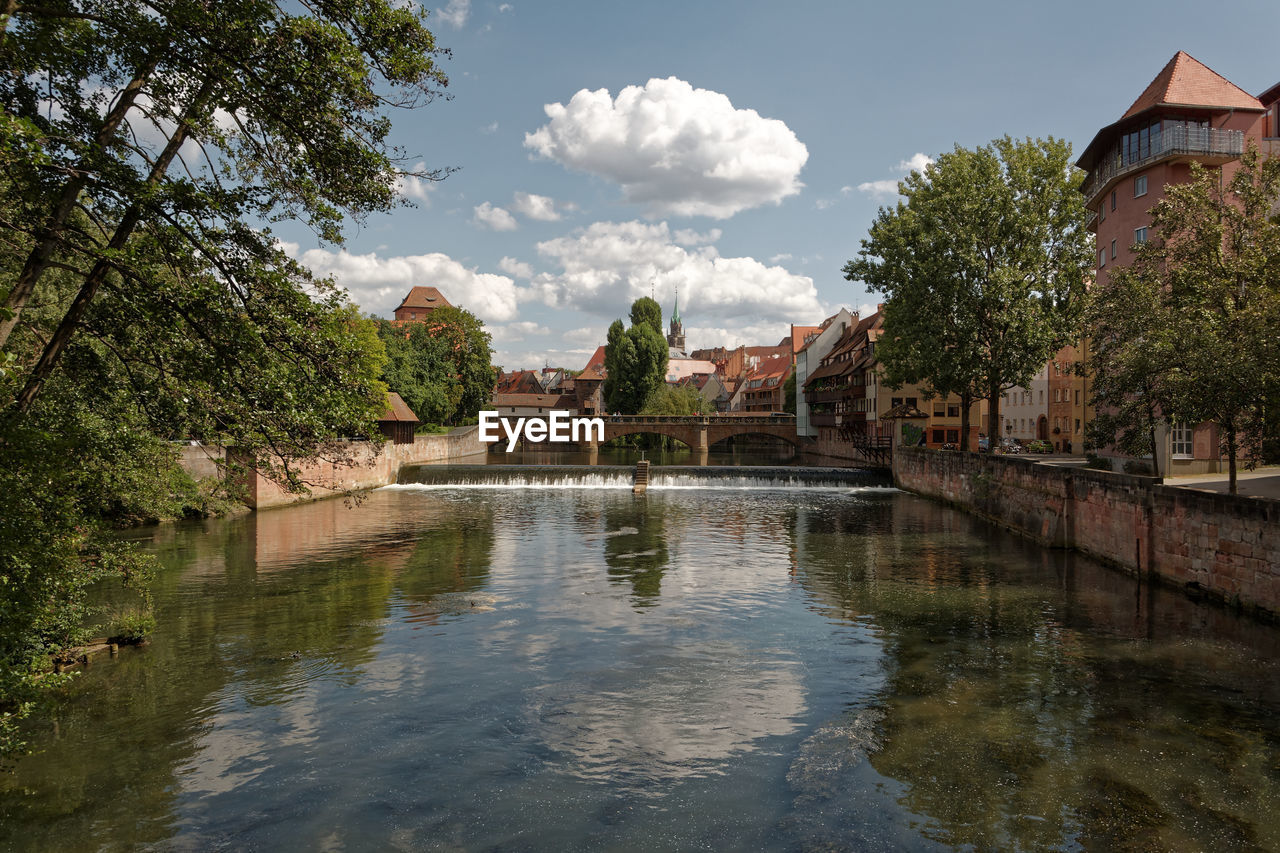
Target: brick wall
{"points": [[1223, 545], [371, 470]]}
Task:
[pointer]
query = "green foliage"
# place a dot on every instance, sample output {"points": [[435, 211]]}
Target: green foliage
{"points": [[1190, 331], [674, 400], [440, 367], [789, 394], [983, 266], [143, 298], [635, 359]]}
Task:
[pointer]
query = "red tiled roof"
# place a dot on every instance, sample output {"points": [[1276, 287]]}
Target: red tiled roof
{"points": [[799, 333], [398, 410], [597, 358], [547, 401], [1186, 81], [424, 297], [592, 371]]}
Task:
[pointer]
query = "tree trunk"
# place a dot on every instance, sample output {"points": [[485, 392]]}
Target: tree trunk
{"points": [[89, 288], [966, 400], [993, 418], [50, 234], [1231, 457]]}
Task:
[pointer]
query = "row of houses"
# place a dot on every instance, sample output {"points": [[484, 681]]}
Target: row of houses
{"points": [[1187, 114]]}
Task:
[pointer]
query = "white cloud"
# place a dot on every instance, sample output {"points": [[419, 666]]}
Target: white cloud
{"points": [[609, 264], [879, 189], [538, 207], [513, 333], [587, 335], [784, 256], [689, 237], [378, 284], [491, 127], [674, 149], [917, 162], [512, 267], [505, 7], [752, 335], [496, 218], [411, 186], [455, 14]]}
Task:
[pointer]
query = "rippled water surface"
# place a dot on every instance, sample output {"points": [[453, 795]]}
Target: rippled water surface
{"points": [[830, 665]]}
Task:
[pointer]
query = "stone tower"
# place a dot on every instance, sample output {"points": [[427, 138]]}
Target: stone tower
{"points": [[675, 334]]}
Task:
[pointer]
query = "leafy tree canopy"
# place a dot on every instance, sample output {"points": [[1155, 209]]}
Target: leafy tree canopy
{"points": [[635, 359], [1190, 331], [440, 367], [983, 265]]}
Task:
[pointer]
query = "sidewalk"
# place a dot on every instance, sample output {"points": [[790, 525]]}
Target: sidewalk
{"points": [[1259, 483]]}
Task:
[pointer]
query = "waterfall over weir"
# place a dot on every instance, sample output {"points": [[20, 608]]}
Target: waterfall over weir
{"points": [[665, 477]]}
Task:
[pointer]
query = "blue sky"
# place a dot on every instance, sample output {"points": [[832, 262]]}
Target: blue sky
{"points": [[735, 150]]}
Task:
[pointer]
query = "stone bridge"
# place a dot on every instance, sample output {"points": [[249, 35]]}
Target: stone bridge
{"points": [[699, 432]]}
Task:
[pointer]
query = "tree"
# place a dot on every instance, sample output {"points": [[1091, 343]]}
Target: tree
{"points": [[674, 400], [255, 112], [635, 359], [144, 147], [983, 266], [1190, 331], [440, 367], [789, 394]]}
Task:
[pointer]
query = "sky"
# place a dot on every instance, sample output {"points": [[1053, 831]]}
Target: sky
{"points": [[733, 152]]}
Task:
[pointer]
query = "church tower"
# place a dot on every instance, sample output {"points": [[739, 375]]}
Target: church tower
{"points": [[675, 334]]}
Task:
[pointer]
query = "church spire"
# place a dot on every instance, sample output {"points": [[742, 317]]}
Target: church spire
{"points": [[675, 314]]}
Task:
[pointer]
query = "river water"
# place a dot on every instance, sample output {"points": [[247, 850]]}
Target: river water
{"points": [[536, 659]]}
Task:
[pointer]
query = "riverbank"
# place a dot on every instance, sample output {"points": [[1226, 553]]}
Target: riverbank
{"points": [[372, 468], [1223, 546]]}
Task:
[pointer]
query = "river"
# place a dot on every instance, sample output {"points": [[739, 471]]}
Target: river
{"points": [[536, 659]]}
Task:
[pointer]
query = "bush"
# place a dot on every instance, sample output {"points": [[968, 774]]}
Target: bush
{"points": [[1138, 467], [1101, 463]]}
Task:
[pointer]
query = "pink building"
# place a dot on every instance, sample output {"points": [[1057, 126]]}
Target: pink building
{"points": [[1188, 114]]}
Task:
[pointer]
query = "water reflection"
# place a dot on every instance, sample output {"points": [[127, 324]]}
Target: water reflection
{"points": [[635, 548], [1036, 701], [831, 668]]}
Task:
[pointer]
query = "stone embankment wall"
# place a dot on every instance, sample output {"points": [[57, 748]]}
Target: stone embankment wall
{"points": [[325, 479], [1223, 545]]}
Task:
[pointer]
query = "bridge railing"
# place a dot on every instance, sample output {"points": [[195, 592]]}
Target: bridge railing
{"points": [[781, 419]]}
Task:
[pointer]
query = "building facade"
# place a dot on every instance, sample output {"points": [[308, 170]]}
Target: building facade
{"points": [[1188, 114]]}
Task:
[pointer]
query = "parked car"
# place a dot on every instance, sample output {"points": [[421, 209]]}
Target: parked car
{"points": [[1039, 445], [984, 444]]}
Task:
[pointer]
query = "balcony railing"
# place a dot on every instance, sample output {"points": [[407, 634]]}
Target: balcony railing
{"points": [[1177, 141]]}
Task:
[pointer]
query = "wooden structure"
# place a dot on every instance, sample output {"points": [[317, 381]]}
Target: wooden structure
{"points": [[399, 423]]}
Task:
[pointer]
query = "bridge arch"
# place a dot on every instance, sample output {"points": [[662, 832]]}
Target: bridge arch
{"points": [[681, 436]]}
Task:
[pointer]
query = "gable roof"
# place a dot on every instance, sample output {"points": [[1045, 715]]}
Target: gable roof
{"points": [[398, 410], [424, 297], [1186, 81]]}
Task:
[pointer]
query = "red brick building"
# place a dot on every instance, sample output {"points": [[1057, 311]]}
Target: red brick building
{"points": [[1188, 114], [418, 305]]}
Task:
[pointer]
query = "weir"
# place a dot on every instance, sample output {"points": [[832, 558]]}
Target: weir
{"points": [[661, 477]]}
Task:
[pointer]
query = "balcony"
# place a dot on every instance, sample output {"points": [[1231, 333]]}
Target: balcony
{"points": [[830, 395], [1208, 145]]}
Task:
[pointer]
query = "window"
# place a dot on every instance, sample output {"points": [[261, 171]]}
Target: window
{"points": [[1077, 396], [1077, 425], [912, 402], [1102, 212], [1102, 258], [1180, 441], [953, 436], [939, 436], [1139, 186], [953, 411], [1140, 235], [894, 402], [1042, 398], [1113, 250], [939, 410], [1113, 199]]}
